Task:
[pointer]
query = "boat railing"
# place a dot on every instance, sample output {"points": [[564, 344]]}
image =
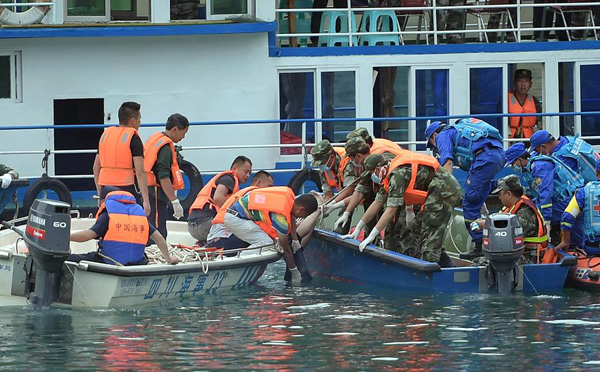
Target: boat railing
{"points": [[55, 9], [415, 127], [523, 23]]}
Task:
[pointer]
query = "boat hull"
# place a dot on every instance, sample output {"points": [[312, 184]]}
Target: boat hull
{"points": [[329, 256], [586, 274]]}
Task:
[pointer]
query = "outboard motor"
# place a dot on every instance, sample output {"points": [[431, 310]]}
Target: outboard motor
{"points": [[47, 236], [503, 246]]}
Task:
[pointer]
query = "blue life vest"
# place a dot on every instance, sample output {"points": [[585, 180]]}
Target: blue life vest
{"points": [[128, 229], [566, 181], [583, 153], [472, 130], [591, 211]]}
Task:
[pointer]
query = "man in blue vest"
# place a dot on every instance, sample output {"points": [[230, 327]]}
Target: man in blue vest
{"points": [[476, 147], [551, 183], [122, 229], [586, 200]]}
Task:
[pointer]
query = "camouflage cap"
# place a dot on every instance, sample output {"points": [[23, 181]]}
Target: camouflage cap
{"points": [[511, 182], [354, 145], [321, 152], [373, 161], [359, 132]]}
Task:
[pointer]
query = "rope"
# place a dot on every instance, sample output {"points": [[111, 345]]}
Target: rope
{"points": [[526, 277]]}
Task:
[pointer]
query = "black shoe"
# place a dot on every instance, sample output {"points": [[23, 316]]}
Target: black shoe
{"points": [[474, 253]]}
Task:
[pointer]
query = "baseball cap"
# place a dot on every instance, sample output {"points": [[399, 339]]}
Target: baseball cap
{"points": [[354, 145], [514, 152], [539, 138], [511, 182], [523, 73], [359, 132], [432, 128], [321, 152]]}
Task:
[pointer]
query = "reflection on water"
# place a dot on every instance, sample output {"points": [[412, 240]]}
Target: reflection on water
{"points": [[321, 325]]}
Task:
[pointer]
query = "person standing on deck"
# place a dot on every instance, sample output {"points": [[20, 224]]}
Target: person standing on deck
{"points": [[162, 169], [120, 158], [521, 102], [476, 147], [214, 194]]}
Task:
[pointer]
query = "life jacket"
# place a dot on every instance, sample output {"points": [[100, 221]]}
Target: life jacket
{"points": [[541, 240], [278, 199], [566, 181], [220, 217], [412, 196], [151, 149], [583, 153], [591, 211], [128, 228], [471, 130], [342, 167], [526, 122], [116, 161], [334, 180], [205, 196], [382, 142]]}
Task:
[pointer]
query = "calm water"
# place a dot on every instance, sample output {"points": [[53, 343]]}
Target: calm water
{"points": [[317, 326]]}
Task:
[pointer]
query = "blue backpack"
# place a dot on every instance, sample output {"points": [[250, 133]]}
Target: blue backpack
{"points": [[472, 130], [566, 180], [591, 211], [583, 153]]}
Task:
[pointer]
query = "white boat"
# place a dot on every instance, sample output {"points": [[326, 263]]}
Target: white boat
{"points": [[96, 285]]}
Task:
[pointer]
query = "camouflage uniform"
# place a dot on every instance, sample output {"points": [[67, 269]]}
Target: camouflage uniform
{"points": [[321, 153], [5, 169]]}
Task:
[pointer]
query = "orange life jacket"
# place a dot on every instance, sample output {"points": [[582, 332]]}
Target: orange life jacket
{"points": [[382, 142], [412, 196], [541, 240], [380, 149], [151, 149], [527, 122], [278, 199], [220, 217], [205, 196], [333, 180], [116, 161]]}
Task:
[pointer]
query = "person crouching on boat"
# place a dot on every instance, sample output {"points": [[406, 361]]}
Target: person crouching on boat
{"points": [[374, 143], [7, 174], [213, 195], [122, 229], [476, 147], [162, 170], [266, 214], [510, 193], [585, 207]]}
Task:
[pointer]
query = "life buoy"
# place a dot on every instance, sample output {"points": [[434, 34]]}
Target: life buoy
{"points": [[301, 177], [32, 15], [193, 181], [43, 184]]}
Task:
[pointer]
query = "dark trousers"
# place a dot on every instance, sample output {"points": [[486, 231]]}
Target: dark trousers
{"points": [[158, 214], [233, 242]]}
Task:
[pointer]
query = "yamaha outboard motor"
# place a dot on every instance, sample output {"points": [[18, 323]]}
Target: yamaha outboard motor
{"points": [[503, 246], [47, 237]]}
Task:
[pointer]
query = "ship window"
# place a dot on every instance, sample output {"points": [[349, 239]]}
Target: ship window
{"points": [[221, 9], [486, 94], [296, 101], [338, 92], [590, 101], [431, 98], [10, 79], [565, 96], [86, 8], [390, 99]]}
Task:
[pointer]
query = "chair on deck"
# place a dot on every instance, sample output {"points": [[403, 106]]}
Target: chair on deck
{"points": [[588, 13], [506, 18], [405, 15], [375, 21], [329, 24]]}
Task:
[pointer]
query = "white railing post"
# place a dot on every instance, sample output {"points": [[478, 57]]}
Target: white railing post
{"points": [[265, 10], [518, 21], [160, 11], [58, 15], [349, 13], [434, 21]]}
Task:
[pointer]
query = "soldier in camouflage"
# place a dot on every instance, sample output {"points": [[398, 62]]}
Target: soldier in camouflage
{"points": [[7, 174]]}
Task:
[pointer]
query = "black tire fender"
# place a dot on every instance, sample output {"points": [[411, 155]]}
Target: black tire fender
{"points": [[45, 183], [302, 176], [195, 184]]}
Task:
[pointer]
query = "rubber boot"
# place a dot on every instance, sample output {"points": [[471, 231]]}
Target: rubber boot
{"points": [[474, 253]]}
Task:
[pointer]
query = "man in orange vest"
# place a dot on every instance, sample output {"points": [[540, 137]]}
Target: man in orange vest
{"points": [[162, 170], [214, 194], [521, 102], [266, 214], [122, 229], [120, 158], [412, 179]]}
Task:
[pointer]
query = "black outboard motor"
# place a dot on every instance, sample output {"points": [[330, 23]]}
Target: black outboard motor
{"points": [[47, 236], [503, 247]]}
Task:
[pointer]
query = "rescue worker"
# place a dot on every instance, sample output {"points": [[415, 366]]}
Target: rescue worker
{"points": [[551, 183], [583, 208], [476, 147], [510, 193], [214, 194], [358, 150], [219, 236], [7, 174], [521, 102], [120, 158], [373, 143], [573, 151], [122, 229], [266, 214], [413, 179], [162, 171]]}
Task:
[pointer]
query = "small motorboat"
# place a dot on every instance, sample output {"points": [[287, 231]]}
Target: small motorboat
{"points": [[586, 273]]}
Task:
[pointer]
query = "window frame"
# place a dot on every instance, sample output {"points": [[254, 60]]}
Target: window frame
{"points": [[220, 17], [16, 83]]}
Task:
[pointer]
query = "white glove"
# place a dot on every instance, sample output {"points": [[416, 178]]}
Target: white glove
{"points": [[369, 239], [356, 231], [177, 209], [342, 220], [410, 214], [332, 207], [296, 246], [548, 227], [6, 180]]}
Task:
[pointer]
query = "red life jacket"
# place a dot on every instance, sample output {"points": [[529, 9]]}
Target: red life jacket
{"points": [[116, 161], [151, 149], [205, 195]]}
